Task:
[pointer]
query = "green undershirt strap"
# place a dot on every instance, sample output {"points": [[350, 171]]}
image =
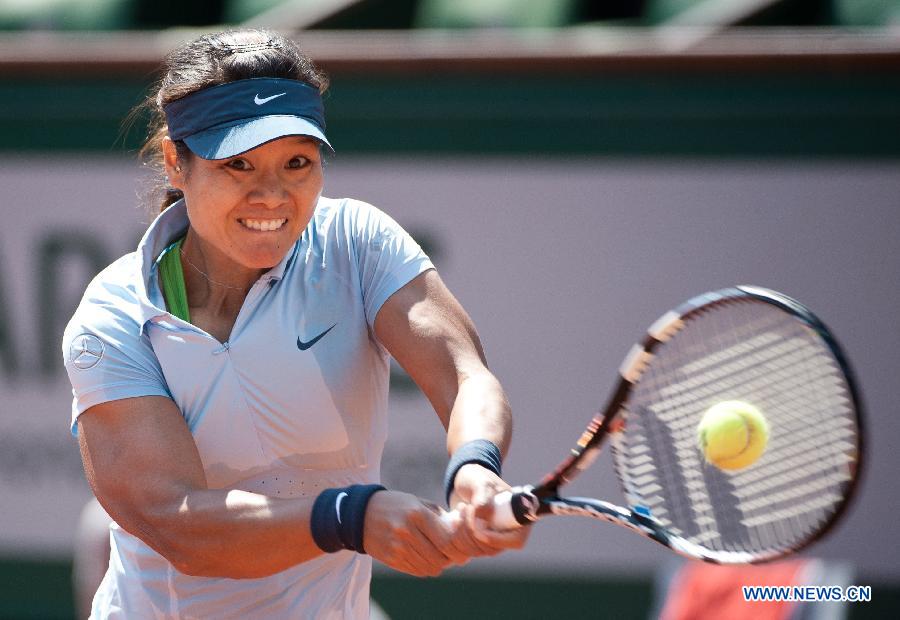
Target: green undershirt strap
{"points": [[172, 276]]}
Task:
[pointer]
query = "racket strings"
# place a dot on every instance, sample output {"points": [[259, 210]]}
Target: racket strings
{"points": [[750, 351]]}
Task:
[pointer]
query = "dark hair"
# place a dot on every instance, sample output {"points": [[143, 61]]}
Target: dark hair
{"points": [[213, 59]]}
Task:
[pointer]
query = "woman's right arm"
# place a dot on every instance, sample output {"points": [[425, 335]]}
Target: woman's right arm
{"points": [[144, 467]]}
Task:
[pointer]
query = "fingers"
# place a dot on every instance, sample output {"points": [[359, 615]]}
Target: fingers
{"points": [[408, 535], [439, 537], [421, 557], [474, 537], [477, 520], [419, 539], [464, 537], [480, 485], [462, 543]]}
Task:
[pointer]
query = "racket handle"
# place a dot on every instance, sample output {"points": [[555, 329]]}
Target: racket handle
{"points": [[512, 509]]}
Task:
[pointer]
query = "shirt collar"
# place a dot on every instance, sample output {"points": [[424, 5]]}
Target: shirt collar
{"points": [[168, 226]]}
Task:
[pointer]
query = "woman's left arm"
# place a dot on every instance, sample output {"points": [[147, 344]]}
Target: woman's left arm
{"points": [[432, 337]]}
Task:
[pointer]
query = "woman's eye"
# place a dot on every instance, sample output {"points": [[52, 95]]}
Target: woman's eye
{"points": [[239, 164], [298, 162]]}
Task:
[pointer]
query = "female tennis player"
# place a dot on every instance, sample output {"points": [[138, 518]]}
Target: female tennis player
{"points": [[230, 376]]}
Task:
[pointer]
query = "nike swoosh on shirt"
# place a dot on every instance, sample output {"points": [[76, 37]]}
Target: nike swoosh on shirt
{"points": [[259, 101], [303, 346], [337, 504]]}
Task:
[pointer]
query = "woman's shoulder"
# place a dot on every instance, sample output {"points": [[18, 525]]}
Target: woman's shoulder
{"points": [[119, 280], [350, 216], [113, 298], [344, 208]]}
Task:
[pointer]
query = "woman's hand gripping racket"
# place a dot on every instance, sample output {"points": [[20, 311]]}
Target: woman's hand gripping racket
{"points": [[745, 344]]}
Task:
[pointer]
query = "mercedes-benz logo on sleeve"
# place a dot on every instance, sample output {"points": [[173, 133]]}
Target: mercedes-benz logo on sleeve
{"points": [[85, 351]]}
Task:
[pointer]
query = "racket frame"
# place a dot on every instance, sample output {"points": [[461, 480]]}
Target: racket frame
{"points": [[530, 503]]}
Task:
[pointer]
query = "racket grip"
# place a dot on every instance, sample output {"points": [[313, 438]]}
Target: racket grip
{"points": [[512, 509]]}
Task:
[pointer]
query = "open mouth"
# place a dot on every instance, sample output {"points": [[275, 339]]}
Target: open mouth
{"points": [[263, 225]]}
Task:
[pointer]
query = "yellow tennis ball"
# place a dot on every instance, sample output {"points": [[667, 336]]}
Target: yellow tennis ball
{"points": [[732, 434]]}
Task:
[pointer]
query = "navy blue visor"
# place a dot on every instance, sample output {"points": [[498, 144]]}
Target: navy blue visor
{"points": [[229, 119]]}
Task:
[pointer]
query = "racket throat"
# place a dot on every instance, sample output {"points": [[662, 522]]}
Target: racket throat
{"points": [[641, 520]]}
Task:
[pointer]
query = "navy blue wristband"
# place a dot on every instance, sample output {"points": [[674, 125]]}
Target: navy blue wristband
{"points": [[481, 451], [338, 517]]}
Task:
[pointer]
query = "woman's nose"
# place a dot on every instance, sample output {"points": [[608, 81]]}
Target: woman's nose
{"points": [[268, 190]]}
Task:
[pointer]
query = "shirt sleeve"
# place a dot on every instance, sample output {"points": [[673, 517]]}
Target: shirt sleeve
{"points": [[108, 357], [388, 257]]}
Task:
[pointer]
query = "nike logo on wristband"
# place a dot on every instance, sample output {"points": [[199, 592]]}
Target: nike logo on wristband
{"points": [[259, 101], [337, 505]]}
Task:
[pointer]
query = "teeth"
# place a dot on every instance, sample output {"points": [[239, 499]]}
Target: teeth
{"points": [[264, 225]]}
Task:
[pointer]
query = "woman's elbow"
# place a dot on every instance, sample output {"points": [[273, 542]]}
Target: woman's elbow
{"points": [[177, 547], [188, 560], [219, 563]]}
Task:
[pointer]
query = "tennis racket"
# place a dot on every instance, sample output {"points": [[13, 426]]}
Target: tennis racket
{"points": [[744, 343]]}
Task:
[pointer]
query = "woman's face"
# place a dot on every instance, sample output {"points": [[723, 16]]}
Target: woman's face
{"points": [[250, 209]]}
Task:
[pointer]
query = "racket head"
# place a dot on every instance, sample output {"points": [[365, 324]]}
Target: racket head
{"points": [[758, 346], [743, 343]]}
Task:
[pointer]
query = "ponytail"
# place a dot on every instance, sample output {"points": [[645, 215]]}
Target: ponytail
{"points": [[172, 196]]}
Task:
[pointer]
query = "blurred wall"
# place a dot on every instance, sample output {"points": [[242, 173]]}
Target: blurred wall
{"points": [[561, 262]]}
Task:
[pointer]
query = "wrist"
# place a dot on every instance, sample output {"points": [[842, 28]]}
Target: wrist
{"points": [[472, 482], [338, 517], [480, 452]]}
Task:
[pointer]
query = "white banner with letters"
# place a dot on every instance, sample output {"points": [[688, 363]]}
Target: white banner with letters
{"points": [[561, 263]]}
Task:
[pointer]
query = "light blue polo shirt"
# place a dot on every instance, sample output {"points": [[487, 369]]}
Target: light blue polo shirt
{"points": [[295, 401]]}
